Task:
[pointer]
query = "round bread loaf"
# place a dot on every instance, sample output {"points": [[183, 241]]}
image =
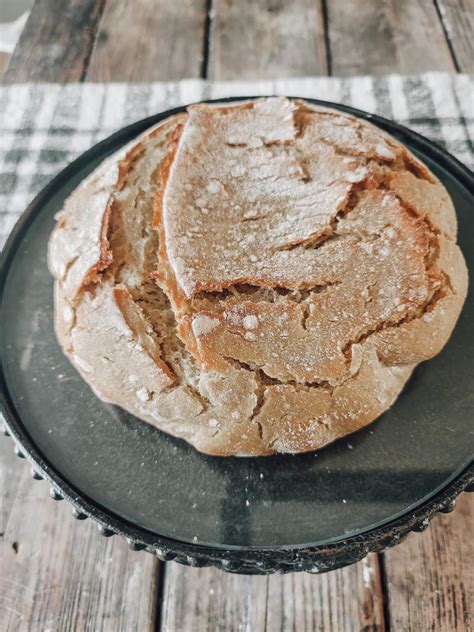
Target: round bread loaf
{"points": [[256, 277]]}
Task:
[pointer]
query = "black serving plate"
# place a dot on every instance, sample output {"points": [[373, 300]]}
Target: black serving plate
{"points": [[311, 512]]}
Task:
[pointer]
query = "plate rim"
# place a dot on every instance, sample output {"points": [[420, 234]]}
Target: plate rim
{"points": [[318, 558]]}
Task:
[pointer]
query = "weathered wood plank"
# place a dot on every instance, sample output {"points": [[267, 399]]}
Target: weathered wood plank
{"points": [[458, 20], [10, 477], [346, 600], [56, 42], [266, 38], [58, 574], [429, 577], [372, 37], [149, 41]]}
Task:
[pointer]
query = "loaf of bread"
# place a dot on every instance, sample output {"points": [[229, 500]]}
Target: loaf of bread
{"points": [[256, 277]]}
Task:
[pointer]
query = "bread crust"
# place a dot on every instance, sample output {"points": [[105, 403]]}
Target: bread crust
{"points": [[257, 277]]}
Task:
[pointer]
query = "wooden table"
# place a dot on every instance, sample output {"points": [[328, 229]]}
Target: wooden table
{"points": [[57, 574]]}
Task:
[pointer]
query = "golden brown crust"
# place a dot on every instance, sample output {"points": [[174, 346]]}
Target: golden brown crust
{"points": [[428, 198], [310, 418], [257, 277]]}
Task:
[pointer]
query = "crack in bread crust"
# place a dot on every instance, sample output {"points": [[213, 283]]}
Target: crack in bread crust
{"points": [[267, 380], [440, 286], [212, 387]]}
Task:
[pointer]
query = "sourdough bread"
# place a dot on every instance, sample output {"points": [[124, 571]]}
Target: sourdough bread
{"points": [[256, 277]]}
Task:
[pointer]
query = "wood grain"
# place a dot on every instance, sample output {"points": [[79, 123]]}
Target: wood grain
{"points": [[60, 574], [148, 41], [429, 577], [56, 42], [10, 477], [458, 20], [266, 38], [345, 600], [376, 37]]}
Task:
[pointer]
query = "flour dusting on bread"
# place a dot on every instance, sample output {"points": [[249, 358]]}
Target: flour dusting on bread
{"points": [[257, 277]]}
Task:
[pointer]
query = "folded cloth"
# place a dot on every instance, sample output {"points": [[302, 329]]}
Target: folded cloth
{"points": [[45, 126]]}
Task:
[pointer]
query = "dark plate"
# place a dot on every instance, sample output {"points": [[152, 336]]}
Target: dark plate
{"points": [[313, 511]]}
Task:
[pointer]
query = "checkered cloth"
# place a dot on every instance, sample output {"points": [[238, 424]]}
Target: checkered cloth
{"points": [[45, 126]]}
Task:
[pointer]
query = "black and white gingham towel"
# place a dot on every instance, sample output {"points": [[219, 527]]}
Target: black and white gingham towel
{"points": [[44, 126]]}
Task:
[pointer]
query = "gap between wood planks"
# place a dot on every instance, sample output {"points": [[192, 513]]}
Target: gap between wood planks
{"points": [[457, 20], [160, 596], [327, 41], [385, 592], [206, 39], [87, 58], [446, 34]]}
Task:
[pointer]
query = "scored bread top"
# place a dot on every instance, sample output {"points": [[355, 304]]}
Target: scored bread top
{"points": [[256, 195], [263, 275]]}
